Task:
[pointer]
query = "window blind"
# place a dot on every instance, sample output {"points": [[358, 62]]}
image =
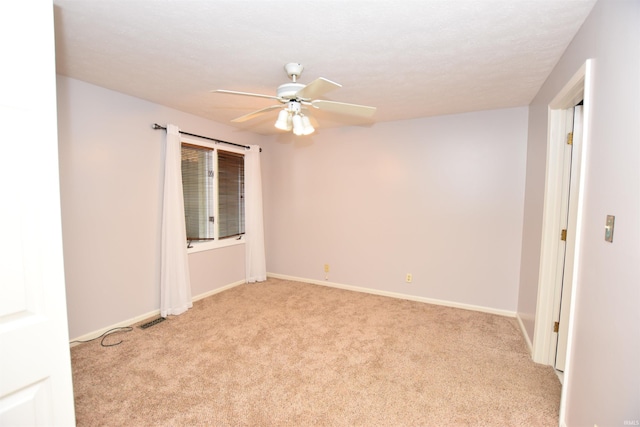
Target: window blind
{"points": [[197, 185], [230, 194]]}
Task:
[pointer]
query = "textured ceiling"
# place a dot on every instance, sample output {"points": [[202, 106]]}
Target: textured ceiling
{"points": [[407, 58]]}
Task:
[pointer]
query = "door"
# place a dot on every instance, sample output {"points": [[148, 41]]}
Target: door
{"points": [[35, 368], [567, 243]]}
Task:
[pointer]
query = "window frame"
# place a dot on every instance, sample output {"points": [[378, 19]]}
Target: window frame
{"points": [[206, 245]]}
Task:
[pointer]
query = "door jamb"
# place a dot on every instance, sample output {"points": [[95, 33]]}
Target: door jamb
{"points": [[579, 87], [573, 92]]}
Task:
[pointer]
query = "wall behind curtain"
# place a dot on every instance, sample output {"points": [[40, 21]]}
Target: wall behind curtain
{"points": [[111, 194], [440, 198], [605, 373]]}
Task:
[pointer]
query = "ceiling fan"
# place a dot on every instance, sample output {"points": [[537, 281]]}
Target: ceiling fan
{"points": [[297, 98]]}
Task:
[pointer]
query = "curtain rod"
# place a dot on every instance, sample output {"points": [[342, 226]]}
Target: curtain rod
{"points": [[157, 126]]}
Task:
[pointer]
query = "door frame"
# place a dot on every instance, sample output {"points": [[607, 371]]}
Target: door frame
{"points": [[564, 283], [578, 88]]}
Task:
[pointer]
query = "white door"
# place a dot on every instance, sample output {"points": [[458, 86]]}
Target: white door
{"points": [[35, 368], [568, 251]]}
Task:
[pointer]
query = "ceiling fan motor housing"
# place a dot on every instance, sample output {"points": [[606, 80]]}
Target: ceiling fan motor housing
{"points": [[289, 90]]}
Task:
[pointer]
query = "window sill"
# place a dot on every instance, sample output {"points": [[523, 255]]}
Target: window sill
{"points": [[207, 246]]}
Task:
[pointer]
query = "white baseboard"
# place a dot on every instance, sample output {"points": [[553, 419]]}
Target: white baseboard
{"points": [[218, 290], [154, 313], [471, 307], [523, 330], [123, 324]]}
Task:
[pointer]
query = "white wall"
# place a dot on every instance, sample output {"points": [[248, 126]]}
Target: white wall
{"points": [[453, 185], [441, 198], [602, 382], [111, 189]]}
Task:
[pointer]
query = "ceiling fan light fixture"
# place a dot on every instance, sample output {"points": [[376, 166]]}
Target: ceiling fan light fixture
{"points": [[284, 120], [308, 128], [298, 126]]}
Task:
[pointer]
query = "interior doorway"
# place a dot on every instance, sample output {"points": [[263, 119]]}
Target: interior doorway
{"points": [[566, 252], [553, 263], [556, 267]]}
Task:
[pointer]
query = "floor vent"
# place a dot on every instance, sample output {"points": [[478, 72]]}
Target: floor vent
{"points": [[151, 323]]}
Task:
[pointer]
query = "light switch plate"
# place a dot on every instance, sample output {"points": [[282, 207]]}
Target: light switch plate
{"points": [[608, 228]]}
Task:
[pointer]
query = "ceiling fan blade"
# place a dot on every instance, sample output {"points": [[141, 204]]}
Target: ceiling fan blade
{"points": [[344, 108], [234, 92], [255, 114], [317, 88]]}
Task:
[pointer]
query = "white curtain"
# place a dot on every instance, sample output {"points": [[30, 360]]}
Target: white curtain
{"points": [[256, 269], [175, 285]]}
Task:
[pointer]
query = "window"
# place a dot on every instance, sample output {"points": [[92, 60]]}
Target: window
{"points": [[230, 194], [213, 187]]}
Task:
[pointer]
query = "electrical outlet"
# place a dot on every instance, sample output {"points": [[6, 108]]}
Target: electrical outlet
{"points": [[408, 278], [326, 268]]}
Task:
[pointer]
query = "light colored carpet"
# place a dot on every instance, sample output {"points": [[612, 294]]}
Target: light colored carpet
{"points": [[282, 353]]}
